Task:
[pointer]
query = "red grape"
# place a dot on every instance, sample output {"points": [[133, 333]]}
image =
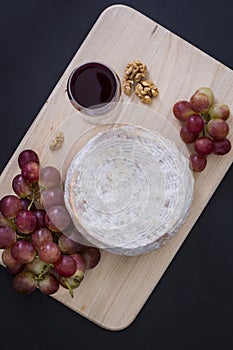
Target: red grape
{"points": [[65, 266], [25, 282], [26, 156], [53, 273], [21, 187], [30, 172], [26, 221], [49, 252], [75, 280], [10, 205], [195, 123], [7, 237], [220, 111], [41, 236], [50, 177], [91, 257], [221, 147], [48, 285], [8, 259], [49, 224], [76, 236], [182, 110], [51, 197], [197, 162], [186, 135], [68, 246], [217, 128], [203, 146], [4, 221], [80, 264], [40, 217], [59, 217], [16, 269], [202, 99], [26, 204], [23, 251], [38, 267]]}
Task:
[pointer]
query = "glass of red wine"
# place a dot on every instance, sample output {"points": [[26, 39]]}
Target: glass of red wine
{"points": [[94, 89]]}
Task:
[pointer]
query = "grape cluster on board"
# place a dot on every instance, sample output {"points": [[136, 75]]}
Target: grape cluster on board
{"points": [[204, 125], [42, 248]]}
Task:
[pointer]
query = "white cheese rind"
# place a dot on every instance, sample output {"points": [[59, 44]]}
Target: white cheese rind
{"points": [[128, 190]]}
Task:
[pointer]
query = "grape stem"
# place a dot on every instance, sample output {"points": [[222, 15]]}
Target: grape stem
{"points": [[69, 288], [42, 188], [206, 118], [45, 269], [33, 198], [12, 224], [26, 238]]}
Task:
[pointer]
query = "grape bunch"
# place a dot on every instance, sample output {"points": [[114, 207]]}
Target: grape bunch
{"points": [[41, 247], [204, 125]]}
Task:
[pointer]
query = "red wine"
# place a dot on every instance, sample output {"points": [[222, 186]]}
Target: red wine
{"points": [[92, 84]]}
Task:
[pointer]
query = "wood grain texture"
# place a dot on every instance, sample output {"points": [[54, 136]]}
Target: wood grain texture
{"points": [[113, 293]]}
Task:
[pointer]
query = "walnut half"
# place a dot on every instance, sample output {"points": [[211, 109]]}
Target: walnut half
{"points": [[57, 142], [134, 72], [145, 90]]}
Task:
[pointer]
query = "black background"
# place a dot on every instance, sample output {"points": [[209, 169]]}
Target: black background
{"points": [[192, 306]]}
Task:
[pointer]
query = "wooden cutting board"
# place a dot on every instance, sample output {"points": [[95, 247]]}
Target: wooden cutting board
{"points": [[113, 293]]}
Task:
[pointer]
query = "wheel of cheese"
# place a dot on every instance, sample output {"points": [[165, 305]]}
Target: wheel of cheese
{"points": [[128, 190]]}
